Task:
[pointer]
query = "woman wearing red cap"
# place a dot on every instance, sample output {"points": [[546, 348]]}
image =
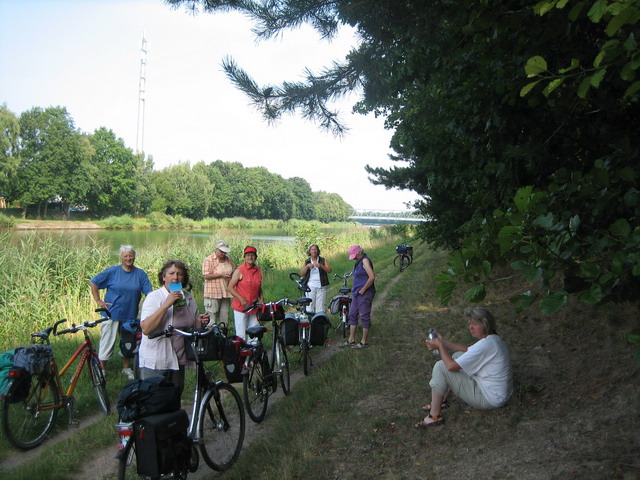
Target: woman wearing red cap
{"points": [[246, 287]]}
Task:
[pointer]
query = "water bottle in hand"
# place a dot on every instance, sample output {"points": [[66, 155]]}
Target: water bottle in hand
{"points": [[433, 336]]}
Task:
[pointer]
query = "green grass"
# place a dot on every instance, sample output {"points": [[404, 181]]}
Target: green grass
{"points": [[48, 280]]}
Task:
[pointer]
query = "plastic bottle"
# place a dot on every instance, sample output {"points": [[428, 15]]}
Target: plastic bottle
{"points": [[433, 336]]}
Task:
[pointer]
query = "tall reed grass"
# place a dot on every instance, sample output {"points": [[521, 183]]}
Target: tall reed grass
{"points": [[47, 278]]}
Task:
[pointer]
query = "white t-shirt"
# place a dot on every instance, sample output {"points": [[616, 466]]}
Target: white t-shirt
{"points": [[488, 362]]}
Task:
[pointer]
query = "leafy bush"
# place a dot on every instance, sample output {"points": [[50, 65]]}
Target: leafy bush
{"points": [[6, 222]]}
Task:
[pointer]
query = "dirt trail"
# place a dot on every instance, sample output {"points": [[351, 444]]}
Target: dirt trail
{"points": [[103, 460]]}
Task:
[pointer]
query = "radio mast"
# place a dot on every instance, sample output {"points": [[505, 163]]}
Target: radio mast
{"points": [[141, 101]]}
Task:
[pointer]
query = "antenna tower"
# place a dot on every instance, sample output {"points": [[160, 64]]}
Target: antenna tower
{"points": [[141, 101]]}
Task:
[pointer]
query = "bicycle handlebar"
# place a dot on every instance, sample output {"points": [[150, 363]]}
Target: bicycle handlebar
{"points": [[88, 324], [298, 281], [343, 277], [196, 332], [256, 304]]}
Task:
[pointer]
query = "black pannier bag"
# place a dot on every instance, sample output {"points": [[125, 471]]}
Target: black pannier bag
{"points": [[34, 359], [162, 443], [290, 331], [232, 360], [151, 396], [209, 348], [130, 335], [319, 331], [335, 305], [264, 312]]}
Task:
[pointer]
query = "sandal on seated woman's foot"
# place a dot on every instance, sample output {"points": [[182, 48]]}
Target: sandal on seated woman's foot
{"points": [[430, 421], [443, 405]]}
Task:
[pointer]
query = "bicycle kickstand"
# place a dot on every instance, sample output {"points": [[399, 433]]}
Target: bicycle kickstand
{"points": [[70, 407]]}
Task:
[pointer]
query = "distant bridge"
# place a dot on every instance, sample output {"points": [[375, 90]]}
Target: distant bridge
{"points": [[387, 216]]}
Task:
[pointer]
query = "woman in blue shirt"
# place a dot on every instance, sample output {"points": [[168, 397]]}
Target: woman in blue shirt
{"points": [[125, 284]]}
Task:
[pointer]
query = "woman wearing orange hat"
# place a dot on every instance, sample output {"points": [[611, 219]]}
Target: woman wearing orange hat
{"points": [[246, 287]]}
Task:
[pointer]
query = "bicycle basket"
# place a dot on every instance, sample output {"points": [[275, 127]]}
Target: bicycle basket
{"points": [[264, 313], [209, 348], [335, 305]]}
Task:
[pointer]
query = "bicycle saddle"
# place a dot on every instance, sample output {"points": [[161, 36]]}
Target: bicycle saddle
{"points": [[345, 290], [257, 331], [304, 301]]}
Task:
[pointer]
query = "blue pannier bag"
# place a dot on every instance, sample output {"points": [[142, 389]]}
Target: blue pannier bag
{"points": [[6, 363]]}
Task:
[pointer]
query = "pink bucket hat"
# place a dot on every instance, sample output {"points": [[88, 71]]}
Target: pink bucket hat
{"points": [[353, 251]]}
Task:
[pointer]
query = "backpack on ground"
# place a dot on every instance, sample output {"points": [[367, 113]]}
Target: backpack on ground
{"points": [[319, 330], [162, 443], [151, 396]]}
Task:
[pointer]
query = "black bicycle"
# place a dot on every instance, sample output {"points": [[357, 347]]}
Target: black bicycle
{"points": [[404, 257], [341, 303], [217, 423], [261, 373]]}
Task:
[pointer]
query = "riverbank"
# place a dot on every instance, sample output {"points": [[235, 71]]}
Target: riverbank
{"points": [[56, 225]]}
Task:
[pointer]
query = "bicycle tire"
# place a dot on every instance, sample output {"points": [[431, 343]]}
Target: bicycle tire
{"points": [[24, 422], [99, 382], [397, 262], [221, 425], [305, 357], [126, 459], [285, 379], [255, 391]]}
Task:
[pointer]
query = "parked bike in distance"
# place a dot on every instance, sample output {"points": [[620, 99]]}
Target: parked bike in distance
{"points": [[217, 424], [404, 257], [35, 394], [261, 373], [341, 303]]}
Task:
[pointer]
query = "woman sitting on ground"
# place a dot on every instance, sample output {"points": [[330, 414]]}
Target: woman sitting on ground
{"points": [[480, 375]]}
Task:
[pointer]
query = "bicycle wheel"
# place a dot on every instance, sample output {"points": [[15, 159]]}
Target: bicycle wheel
{"points": [[221, 426], [283, 366], [126, 459], [99, 383], [305, 357], [400, 262], [30, 410], [255, 391]]}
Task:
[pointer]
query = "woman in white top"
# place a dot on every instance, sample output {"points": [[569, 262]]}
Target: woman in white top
{"points": [[480, 375], [315, 274], [161, 308]]}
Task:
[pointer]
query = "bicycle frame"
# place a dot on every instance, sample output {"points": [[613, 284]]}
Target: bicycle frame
{"points": [[86, 349]]}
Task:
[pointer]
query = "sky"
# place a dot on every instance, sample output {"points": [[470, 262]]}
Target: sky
{"points": [[85, 55]]}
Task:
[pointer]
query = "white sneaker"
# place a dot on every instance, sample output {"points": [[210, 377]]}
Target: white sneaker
{"points": [[127, 372]]}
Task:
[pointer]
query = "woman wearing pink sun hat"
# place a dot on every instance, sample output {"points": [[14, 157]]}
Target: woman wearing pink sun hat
{"points": [[363, 291]]}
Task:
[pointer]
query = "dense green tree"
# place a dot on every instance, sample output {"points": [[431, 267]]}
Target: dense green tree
{"points": [[516, 122], [9, 140], [54, 160], [182, 191], [113, 189], [304, 207], [330, 207]]}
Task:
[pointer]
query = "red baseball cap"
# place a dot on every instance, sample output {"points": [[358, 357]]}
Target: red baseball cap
{"points": [[250, 249]]}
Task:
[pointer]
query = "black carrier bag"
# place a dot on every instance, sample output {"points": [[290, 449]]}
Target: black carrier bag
{"points": [[232, 360], [264, 313], [162, 444], [151, 396], [130, 336], [35, 359], [319, 331], [209, 348], [335, 305], [290, 331]]}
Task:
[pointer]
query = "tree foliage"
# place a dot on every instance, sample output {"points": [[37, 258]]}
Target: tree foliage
{"points": [[9, 140], [516, 122]]}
